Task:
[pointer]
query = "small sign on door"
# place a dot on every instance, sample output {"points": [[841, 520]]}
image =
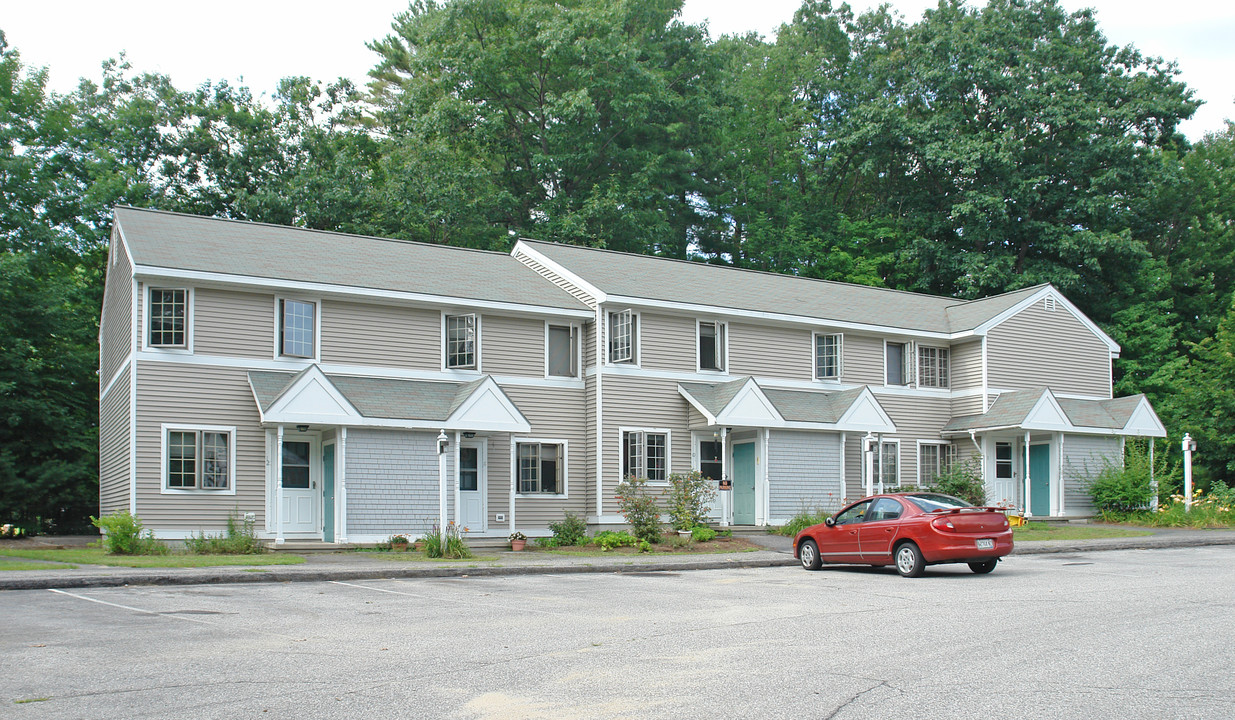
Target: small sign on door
{"points": [[726, 484]]}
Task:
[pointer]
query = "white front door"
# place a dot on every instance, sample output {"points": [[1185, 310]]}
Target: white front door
{"points": [[300, 513], [472, 485]]}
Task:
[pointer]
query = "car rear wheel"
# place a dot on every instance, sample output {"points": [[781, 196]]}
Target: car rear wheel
{"points": [[808, 551], [909, 560], [984, 566]]}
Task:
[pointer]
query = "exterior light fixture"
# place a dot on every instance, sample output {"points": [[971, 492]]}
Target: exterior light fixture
{"points": [[302, 428]]}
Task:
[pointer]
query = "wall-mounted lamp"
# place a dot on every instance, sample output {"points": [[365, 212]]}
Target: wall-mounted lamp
{"points": [[469, 435], [302, 428]]}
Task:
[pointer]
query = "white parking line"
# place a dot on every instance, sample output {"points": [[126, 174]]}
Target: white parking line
{"points": [[127, 607], [506, 608]]}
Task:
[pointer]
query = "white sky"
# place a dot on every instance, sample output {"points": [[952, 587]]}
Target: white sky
{"points": [[260, 41]]}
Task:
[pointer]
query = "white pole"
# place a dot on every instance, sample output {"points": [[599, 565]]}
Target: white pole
{"points": [[442, 441], [1153, 482], [1188, 445], [868, 463], [1028, 482], [278, 490], [458, 514], [343, 485]]}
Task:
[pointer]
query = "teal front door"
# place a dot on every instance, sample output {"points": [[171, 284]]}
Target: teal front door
{"points": [[328, 493], [1040, 479], [744, 484]]}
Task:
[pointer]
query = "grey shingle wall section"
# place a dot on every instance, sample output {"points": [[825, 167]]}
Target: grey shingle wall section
{"points": [[1084, 456], [803, 468], [392, 482]]}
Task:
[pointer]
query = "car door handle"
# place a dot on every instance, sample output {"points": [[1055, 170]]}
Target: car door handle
{"points": [[889, 529]]}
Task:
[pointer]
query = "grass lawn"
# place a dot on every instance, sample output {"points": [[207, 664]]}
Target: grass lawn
{"points": [[23, 565], [711, 547], [96, 556], [1051, 531]]}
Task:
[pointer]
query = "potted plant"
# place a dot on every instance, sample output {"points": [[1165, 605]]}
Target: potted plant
{"points": [[517, 541], [399, 543]]}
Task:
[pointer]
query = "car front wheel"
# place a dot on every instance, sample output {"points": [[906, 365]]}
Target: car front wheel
{"points": [[983, 567], [808, 551], [909, 560]]}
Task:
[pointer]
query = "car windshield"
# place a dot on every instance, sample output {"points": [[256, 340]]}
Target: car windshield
{"points": [[936, 501]]}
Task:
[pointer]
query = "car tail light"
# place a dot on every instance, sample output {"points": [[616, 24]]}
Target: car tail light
{"points": [[943, 524]]}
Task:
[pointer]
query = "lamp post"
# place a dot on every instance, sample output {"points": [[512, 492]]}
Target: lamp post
{"points": [[1189, 447], [442, 443]]}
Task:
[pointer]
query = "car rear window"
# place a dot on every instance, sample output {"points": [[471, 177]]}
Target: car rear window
{"points": [[936, 501]]}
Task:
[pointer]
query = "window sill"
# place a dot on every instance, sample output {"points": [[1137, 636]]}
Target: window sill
{"points": [[197, 491], [541, 496]]}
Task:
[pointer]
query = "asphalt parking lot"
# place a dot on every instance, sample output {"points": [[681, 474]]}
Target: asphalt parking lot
{"points": [[1126, 634]]}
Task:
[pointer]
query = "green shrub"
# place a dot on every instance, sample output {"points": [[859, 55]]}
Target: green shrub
{"points": [[962, 480], [800, 522], [1123, 487], [639, 508], [690, 498], [570, 530], [448, 544], [702, 533], [607, 540], [1213, 510], [239, 539], [548, 542], [122, 535]]}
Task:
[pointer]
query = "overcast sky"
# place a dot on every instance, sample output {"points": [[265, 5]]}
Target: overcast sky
{"points": [[260, 41]]}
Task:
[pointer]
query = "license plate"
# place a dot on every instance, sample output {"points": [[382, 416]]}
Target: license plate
{"points": [[986, 544]]}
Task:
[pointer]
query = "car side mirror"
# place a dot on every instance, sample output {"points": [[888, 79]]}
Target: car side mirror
{"points": [[829, 521]]}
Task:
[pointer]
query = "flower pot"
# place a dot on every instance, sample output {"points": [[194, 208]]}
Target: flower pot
{"points": [[399, 547], [517, 545], [420, 545], [685, 533]]}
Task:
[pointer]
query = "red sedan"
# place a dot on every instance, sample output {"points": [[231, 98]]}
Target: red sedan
{"points": [[910, 530]]}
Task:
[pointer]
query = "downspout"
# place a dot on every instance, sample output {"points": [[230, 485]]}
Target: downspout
{"points": [[973, 438]]}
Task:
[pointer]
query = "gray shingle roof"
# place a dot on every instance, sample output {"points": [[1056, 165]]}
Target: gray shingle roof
{"points": [[655, 278], [1012, 408], [191, 242], [383, 398], [812, 406]]}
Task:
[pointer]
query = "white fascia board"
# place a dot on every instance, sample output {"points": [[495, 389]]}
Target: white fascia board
{"points": [[326, 289], [1144, 422], [1046, 414], [1049, 290], [489, 390], [751, 396], [697, 405], [866, 402], [521, 247], [726, 312], [287, 407]]}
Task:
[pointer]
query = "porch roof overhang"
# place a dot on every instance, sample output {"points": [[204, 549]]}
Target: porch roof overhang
{"points": [[744, 403], [1040, 409], [311, 397]]}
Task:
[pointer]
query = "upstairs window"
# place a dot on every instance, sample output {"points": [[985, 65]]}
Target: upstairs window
{"points": [[562, 351], [297, 323], [896, 363], [933, 461], [827, 357], [540, 468], [622, 337], [645, 454], [711, 343], [168, 315], [933, 367], [461, 342]]}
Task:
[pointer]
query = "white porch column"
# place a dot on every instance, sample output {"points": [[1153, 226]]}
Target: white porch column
{"points": [[868, 463], [1153, 482], [726, 461], [458, 515], [442, 440], [342, 491], [1026, 501], [278, 488], [1063, 482], [514, 480]]}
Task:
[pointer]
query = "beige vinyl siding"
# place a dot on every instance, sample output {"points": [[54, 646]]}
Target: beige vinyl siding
{"points": [[666, 342], [916, 418], [116, 333], [1084, 456], [114, 447], [554, 414], [235, 324], [512, 345], [967, 366], [381, 335], [967, 405], [1038, 348], [853, 486], [639, 402], [770, 351], [555, 278], [862, 360], [197, 395]]}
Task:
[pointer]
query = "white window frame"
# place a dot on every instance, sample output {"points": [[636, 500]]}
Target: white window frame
{"points": [[476, 323], [278, 328], [722, 346], [621, 450], [187, 348], [840, 355], [952, 450], [515, 442], [943, 358], [576, 345], [636, 338], [878, 464], [909, 355], [230, 430]]}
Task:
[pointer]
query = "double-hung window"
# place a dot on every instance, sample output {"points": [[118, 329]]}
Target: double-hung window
{"points": [[198, 458], [933, 461], [1003, 461], [541, 468], [622, 336], [169, 313], [561, 351], [297, 327], [887, 463], [897, 363], [933, 370], [827, 357], [460, 349], [711, 342], [645, 454]]}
